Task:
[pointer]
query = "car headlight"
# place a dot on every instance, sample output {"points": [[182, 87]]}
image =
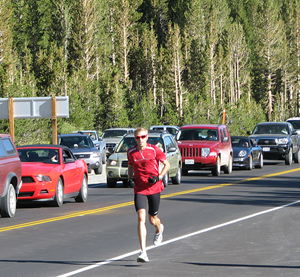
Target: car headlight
{"points": [[282, 141], [242, 153], [205, 151], [112, 162], [96, 154], [43, 178]]}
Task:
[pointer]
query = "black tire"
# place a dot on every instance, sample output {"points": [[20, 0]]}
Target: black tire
{"points": [[217, 169], [228, 168], [89, 170], [250, 165], [83, 192], [99, 169], [177, 179], [289, 157], [297, 156], [104, 158], [165, 179], [261, 161], [59, 194], [111, 183], [9, 202]]}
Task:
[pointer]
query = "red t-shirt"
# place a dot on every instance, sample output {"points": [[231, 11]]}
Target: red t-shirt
{"points": [[146, 163]]}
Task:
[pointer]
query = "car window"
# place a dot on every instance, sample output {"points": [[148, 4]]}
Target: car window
{"points": [[9, 148], [125, 144], [295, 123], [198, 134], [271, 129], [240, 142], [172, 131], [44, 155], [169, 143], [114, 133], [2, 150], [77, 142], [157, 141]]}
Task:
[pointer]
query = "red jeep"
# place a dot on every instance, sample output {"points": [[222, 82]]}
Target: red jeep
{"points": [[10, 177], [205, 147]]}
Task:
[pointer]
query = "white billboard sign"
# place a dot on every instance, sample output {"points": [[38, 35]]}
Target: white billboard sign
{"points": [[35, 107]]}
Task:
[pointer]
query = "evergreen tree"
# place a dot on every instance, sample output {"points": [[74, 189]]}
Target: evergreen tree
{"points": [[270, 44]]}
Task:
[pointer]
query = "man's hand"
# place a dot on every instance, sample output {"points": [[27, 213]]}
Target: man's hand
{"points": [[153, 179], [130, 183]]}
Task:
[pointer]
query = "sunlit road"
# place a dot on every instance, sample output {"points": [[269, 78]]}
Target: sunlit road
{"points": [[243, 224]]}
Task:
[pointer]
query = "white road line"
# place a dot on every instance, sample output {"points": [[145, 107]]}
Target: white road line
{"points": [[177, 239]]}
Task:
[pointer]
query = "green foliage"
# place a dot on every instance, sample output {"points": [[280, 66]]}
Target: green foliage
{"points": [[140, 63]]}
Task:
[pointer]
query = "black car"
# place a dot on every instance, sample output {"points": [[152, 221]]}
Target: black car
{"points": [[279, 140], [246, 153]]}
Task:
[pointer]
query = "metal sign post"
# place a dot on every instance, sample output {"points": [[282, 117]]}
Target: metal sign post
{"points": [[54, 121]]}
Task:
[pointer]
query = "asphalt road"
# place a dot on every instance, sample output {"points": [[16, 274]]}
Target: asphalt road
{"points": [[243, 224]]}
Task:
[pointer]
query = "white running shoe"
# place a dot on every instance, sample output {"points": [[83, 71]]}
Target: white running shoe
{"points": [[158, 237], [143, 257]]}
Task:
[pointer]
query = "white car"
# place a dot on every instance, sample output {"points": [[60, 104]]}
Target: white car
{"points": [[171, 129]]}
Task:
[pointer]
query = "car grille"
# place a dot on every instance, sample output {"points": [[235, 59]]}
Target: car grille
{"points": [[266, 142], [25, 194], [190, 152], [110, 145], [82, 156], [27, 179], [124, 164]]}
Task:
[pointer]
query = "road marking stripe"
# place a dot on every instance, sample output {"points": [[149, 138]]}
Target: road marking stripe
{"points": [[178, 238], [33, 223]]}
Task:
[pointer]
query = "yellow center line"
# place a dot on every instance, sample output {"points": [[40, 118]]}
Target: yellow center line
{"points": [[112, 207]]}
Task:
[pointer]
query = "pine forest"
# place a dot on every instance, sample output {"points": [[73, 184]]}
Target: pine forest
{"points": [[129, 63]]}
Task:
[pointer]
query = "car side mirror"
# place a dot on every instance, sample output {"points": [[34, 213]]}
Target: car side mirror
{"points": [[69, 160], [248, 133], [294, 133], [225, 139], [172, 149]]}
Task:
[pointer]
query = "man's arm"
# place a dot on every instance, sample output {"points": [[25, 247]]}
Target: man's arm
{"points": [[130, 171], [165, 169]]}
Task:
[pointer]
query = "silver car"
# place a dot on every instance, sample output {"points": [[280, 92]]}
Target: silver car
{"points": [[117, 163], [83, 148]]}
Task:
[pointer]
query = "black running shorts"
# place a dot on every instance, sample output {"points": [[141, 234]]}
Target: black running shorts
{"points": [[140, 202]]}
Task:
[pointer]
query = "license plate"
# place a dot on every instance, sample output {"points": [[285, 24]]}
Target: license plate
{"points": [[266, 149], [189, 161]]}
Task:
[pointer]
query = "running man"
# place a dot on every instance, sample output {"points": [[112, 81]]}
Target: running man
{"points": [[143, 165]]}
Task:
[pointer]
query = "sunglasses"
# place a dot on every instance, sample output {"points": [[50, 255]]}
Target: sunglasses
{"points": [[141, 137]]}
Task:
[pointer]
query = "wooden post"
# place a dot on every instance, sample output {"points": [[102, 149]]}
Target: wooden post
{"points": [[11, 118], [54, 121], [224, 115]]}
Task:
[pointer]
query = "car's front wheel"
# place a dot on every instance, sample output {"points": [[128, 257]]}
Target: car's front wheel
{"points": [[217, 169], [250, 165], [9, 203], [261, 161], [111, 183], [99, 169], [83, 192], [289, 157], [228, 167], [297, 157], [177, 179], [59, 194]]}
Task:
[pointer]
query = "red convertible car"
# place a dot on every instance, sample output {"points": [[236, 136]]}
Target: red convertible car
{"points": [[51, 172]]}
